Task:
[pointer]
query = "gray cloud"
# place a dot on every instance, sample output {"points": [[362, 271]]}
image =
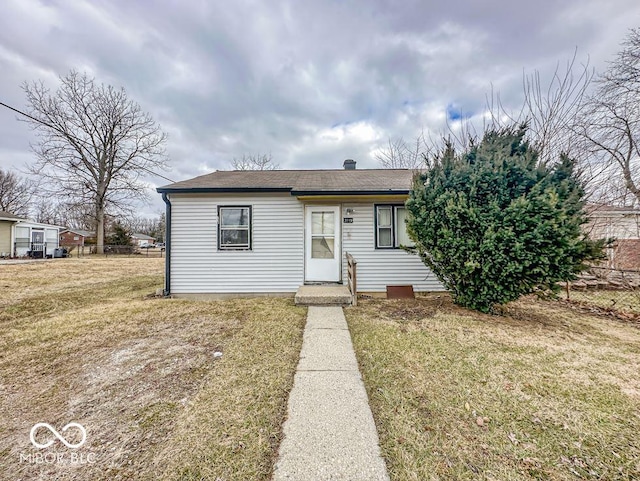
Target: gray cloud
{"points": [[311, 82]]}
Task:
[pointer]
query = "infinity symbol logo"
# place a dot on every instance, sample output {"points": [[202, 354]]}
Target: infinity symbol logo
{"points": [[34, 429]]}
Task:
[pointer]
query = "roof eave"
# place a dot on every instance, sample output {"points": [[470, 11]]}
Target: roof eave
{"points": [[219, 190], [299, 193]]}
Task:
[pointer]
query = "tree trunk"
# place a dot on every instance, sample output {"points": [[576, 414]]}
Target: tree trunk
{"points": [[100, 230]]}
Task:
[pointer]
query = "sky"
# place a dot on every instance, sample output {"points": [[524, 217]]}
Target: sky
{"points": [[309, 82]]}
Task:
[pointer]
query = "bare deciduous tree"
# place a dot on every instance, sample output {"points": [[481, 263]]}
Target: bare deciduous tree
{"points": [[397, 154], [63, 212], [612, 119], [551, 110], [48, 212], [153, 227], [254, 162], [15, 193], [94, 144]]}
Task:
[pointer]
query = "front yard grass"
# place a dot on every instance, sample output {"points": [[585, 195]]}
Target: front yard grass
{"points": [[543, 392], [81, 341]]}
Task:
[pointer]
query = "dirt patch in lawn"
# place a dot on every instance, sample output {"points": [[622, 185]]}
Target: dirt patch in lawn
{"points": [[143, 376]]}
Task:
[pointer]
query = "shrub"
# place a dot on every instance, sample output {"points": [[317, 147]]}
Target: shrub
{"points": [[494, 224], [120, 236]]}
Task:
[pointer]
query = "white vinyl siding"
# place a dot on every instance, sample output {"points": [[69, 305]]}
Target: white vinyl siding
{"points": [[275, 263], [6, 247], [378, 268]]}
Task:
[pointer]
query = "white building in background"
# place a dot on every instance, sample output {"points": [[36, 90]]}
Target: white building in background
{"points": [[621, 224], [35, 239], [142, 240]]}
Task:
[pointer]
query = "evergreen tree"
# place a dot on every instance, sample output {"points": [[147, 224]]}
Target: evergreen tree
{"points": [[120, 236], [494, 224]]}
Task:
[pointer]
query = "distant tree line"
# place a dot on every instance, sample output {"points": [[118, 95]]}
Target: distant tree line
{"points": [[20, 196]]}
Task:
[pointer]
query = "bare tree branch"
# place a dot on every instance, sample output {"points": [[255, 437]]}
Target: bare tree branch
{"points": [[254, 162], [550, 110], [399, 154], [93, 143], [15, 193], [611, 123]]}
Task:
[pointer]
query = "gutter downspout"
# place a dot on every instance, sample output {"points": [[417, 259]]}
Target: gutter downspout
{"points": [[167, 245], [12, 238]]}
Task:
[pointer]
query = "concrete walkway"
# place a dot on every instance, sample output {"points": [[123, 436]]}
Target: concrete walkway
{"points": [[330, 433]]}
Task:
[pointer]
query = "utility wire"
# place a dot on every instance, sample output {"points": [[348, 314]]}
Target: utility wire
{"points": [[72, 136]]}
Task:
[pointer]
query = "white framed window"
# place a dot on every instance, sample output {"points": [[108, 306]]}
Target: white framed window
{"points": [[384, 228], [234, 227], [391, 227]]}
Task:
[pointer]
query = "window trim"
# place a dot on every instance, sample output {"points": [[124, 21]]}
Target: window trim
{"points": [[249, 245], [390, 227], [394, 226]]}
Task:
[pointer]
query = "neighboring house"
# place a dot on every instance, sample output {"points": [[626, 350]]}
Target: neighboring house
{"points": [[261, 232], [622, 224], [35, 239], [75, 237], [7, 232], [141, 240]]}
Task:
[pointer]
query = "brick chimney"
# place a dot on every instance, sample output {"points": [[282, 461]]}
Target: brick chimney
{"points": [[349, 164]]}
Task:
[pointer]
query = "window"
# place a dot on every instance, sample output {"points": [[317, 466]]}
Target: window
{"points": [[234, 228], [22, 237], [323, 226], [391, 228]]}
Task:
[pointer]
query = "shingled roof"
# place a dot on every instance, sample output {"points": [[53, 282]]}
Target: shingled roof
{"points": [[4, 215], [299, 182]]}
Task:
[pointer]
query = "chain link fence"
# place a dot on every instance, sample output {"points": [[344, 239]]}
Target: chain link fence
{"points": [[116, 250], [606, 289]]}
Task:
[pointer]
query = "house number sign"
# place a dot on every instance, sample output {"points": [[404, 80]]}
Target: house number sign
{"points": [[347, 220]]}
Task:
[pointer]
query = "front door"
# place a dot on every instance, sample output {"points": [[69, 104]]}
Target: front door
{"points": [[37, 240], [322, 244], [37, 244]]}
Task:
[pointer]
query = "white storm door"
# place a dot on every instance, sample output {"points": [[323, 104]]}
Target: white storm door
{"points": [[322, 244]]}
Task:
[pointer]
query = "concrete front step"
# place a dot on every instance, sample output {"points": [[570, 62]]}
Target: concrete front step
{"points": [[323, 295]]}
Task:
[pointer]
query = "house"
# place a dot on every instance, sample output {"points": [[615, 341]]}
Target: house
{"points": [[269, 232], [35, 239], [141, 240], [7, 233], [622, 224], [75, 237]]}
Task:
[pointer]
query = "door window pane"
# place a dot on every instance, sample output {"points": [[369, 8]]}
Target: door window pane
{"points": [[323, 223], [322, 248]]}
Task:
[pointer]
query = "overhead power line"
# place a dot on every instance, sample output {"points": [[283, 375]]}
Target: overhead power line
{"points": [[24, 114]]}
